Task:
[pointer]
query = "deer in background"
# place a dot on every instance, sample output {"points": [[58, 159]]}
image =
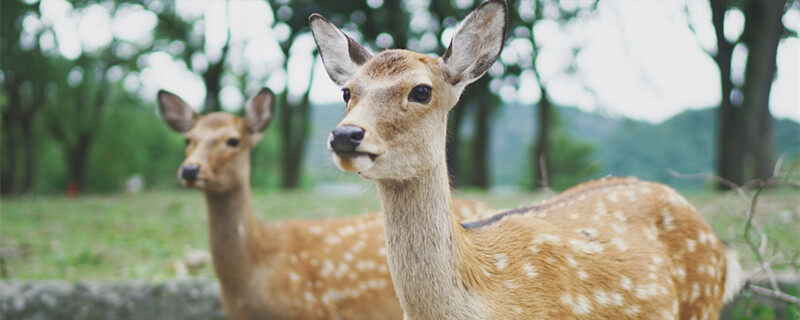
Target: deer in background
{"points": [[609, 249], [297, 269]]}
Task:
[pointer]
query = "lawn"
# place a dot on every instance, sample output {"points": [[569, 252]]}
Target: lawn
{"points": [[140, 236]]}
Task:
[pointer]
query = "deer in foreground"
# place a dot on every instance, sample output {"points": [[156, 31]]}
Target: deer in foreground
{"points": [[615, 248], [296, 269]]}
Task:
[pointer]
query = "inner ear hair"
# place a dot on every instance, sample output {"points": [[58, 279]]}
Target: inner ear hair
{"points": [[341, 55], [258, 111], [176, 112], [477, 42]]}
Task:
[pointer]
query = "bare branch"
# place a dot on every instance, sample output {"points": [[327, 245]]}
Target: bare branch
{"points": [[751, 228], [694, 32], [777, 295], [702, 175]]}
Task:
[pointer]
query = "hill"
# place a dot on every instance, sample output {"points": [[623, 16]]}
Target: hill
{"points": [[684, 143]]}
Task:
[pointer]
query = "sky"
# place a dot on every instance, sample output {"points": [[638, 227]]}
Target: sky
{"points": [[639, 59]]}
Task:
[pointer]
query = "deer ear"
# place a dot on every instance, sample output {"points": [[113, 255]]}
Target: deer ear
{"points": [[258, 113], [341, 55], [179, 115], [477, 43]]}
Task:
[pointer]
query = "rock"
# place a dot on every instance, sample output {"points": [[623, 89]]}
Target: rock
{"points": [[177, 299]]}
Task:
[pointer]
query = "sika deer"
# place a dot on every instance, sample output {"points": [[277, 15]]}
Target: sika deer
{"points": [[296, 269], [609, 249]]}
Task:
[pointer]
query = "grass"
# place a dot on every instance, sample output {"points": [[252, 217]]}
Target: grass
{"points": [[101, 237]]}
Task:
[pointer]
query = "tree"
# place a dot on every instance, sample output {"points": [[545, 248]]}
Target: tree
{"points": [[763, 31], [26, 75], [173, 27], [75, 119], [542, 159], [744, 124]]}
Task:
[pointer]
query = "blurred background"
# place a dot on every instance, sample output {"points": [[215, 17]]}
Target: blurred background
{"points": [[583, 89]]}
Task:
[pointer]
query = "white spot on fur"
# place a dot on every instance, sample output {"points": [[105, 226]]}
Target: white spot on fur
{"points": [[601, 297], [294, 276], [500, 261], [571, 262], [695, 291], [618, 228], [613, 197], [582, 274], [579, 303], [347, 256], [681, 273], [626, 283], [582, 305], [332, 239], [347, 230], [573, 216], [691, 245], [546, 238], [633, 310], [315, 230], [650, 232], [702, 237], [530, 270], [645, 291], [620, 244], [309, 297], [668, 222], [618, 300], [588, 247], [618, 214]]}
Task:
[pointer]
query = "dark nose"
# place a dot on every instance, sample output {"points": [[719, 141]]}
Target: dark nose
{"points": [[189, 172], [346, 138]]}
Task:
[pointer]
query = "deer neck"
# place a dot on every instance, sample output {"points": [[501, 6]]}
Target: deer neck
{"points": [[424, 247], [233, 231]]}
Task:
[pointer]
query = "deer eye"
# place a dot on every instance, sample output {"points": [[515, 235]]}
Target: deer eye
{"points": [[346, 95], [232, 142], [420, 93]]}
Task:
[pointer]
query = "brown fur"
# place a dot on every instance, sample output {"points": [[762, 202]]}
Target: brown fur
{"points": [[295, 269]]}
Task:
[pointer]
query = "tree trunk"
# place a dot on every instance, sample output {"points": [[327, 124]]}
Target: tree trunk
{"points": [[452, 147], [763, 31], [541, 149], [8, 163], [28, 155], [79, 161], [480, 146], [9, 159], [212, 79], [295, 137], [730, 122]]}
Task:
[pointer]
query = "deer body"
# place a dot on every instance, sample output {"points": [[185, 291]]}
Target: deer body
{"points": [[609, 249], [293, 269]]}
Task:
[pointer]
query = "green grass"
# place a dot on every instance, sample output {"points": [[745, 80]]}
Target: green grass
{"points": [[139, 236]]}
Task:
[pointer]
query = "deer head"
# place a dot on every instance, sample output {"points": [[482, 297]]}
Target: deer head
{"points": [[397, 101], [218, 144]]}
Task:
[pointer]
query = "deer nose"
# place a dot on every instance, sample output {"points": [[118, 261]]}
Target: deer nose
{"points": [[189, 172], [346, 138]]}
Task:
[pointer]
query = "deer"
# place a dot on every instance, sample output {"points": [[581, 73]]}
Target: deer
{"points": [[615, 248], [293, 269]]}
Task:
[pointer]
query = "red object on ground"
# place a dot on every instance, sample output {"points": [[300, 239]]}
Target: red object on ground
{"points": [[72, 190]]}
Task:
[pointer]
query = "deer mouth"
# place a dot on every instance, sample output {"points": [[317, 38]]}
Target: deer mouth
{"points": [[355, 154], [354, 161]]}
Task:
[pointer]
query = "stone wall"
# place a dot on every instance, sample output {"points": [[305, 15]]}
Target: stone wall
{"points": [[135, 300], [171, 300]]}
